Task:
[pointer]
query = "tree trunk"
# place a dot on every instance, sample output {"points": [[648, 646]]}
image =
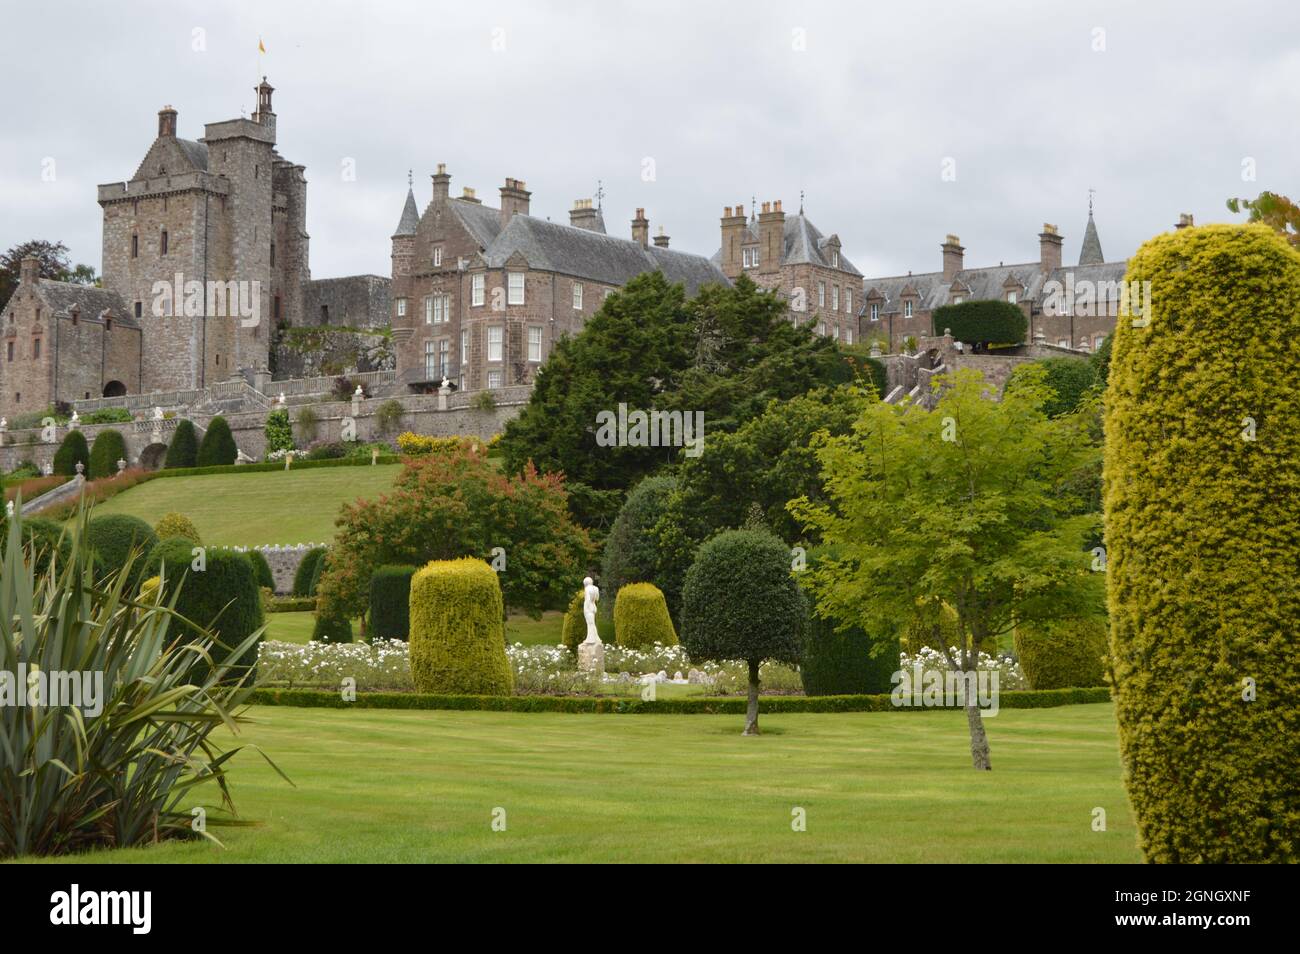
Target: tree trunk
{"points": [[751, 715], [979, 742]]}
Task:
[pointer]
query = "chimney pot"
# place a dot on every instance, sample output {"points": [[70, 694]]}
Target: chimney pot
{"points": [[726, 212], [1185, 220], [167, 121], [641, 228], [776, 206]]}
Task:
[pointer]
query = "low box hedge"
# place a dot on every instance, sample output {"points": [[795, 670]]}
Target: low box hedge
{"points": [[730, 705]]}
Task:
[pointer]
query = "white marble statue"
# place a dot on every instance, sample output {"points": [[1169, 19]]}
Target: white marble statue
{"points": [[591, 651], [591, 596], [157, 413]]}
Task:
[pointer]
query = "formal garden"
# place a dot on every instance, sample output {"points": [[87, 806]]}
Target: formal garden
{"points": [[1054, 623]]}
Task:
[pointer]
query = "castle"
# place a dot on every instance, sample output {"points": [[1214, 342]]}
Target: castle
{"points": [[206, 275]]}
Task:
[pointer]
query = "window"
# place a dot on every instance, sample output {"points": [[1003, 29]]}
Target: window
{"points": [[273, 255], [848, 300], [476, 290], [835, 332], [162, 243], [821, 294], [428, 309], [441, 309], [401, 308], [11, 350], [907, 308], [534, 344], [464, 348], [515, 292], [36, 348], [1097, 340], [957, 299], [494, 343], [848, 336], [835, 298], [108, 324], [437, 257], [494, 379], [139, 310], [875, 311], [444, 357], [1011, 297], [577, 296], [835, 259], [821, 328], [428, 361], [749, 257], [135, 246]]}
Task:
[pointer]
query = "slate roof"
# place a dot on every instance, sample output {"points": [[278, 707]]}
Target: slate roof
{"points": [[583, 253], [410, 216], [802, 244], [482, 222], [933, 291], [62, 297], [1090, 251], [177, 156]]}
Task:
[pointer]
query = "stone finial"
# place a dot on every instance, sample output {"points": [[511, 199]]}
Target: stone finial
{"points": [[157, 413], [280, 399], [80, 468], [121, 465], [75, 421], [358, 393]]}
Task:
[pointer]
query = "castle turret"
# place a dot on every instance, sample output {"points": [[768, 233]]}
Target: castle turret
{"points": [[404, 234]]}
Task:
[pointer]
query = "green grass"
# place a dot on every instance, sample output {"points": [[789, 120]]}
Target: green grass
{"points": [[297, 628], [250, 509], [291, 627], [386, 786]]}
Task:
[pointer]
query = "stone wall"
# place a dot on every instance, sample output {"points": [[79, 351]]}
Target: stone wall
{"points": [[357, 301], [312, 352], [283, 560]]}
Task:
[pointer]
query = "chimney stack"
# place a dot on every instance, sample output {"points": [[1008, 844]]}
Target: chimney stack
{"points": [[584, 215], [953, 256], [29, 270], [441, 182], [661, 240], [641, 229], [733, 234], [514, 200], [265, 115], [166, 122], [1185, 221], [468, 195], [771, 236], [1049, 248]]}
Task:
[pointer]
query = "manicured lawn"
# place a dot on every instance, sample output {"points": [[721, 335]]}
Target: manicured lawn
{"points": [[266, 507], [291, 627], [895, 787], [297, 628]]}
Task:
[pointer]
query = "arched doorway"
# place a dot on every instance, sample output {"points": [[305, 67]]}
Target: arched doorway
{"points": [[114, 389], [152, 457]]}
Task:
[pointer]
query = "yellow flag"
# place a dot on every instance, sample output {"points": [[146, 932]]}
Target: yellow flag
{"points": [[260, 47]]}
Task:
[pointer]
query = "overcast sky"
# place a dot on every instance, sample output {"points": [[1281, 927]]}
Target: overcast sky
{"points": [[1159, 106]]}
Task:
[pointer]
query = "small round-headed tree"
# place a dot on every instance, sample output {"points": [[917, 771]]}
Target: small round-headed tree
{"points": [[109, 448], [740, 601], [457, 641], [175, 524], [183, 451], [641, 617], [72, 450], [1202, 512], [218, 445], [113, 537]]}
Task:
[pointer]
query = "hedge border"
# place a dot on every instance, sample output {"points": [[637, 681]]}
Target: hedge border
{"points": [[770, 705]]}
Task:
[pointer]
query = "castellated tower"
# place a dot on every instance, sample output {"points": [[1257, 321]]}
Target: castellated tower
{"points": [[223, 210]]}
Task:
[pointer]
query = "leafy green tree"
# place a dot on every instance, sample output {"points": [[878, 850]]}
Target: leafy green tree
{"points": [[740, 601], [55, 266], [72, 451], [109, 448], [631, 554], [183, 451], [1276, 211], [965, 505], [1070, 379], [218, 445], [279, 432]]}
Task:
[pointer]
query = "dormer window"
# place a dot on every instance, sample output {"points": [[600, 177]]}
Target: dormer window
{"points": [[875, 311], [1011, 297], [835, 259], [957, 299], [907, 308]]}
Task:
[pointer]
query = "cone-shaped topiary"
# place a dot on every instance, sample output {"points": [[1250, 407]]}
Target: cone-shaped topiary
{"points": [[305, 575], [574, 630], [72, 450], [1202, 513], [457, 642], [740, 601], [183, 451], [217, 589], [1065, 653], [114, 536], [176, 525], [109, 448], [261, 569], [218, 445], [320, 566], [641, 617], [390, 602]]}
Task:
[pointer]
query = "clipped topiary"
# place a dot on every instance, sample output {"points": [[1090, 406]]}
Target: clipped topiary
{"points": [[1202, 511], [261, 569], [109, 448], [113, 537], [183, 451], [457, 639], [740, 601], [1065, 653], [982, 321], [574, 630], [306, 572], [631, 553], [217, 588], [390, 602], [316, 572], [218, 445], [176, 525], [332, 628], [72, 450], [846, 662], [44, 541], [641, 617]]}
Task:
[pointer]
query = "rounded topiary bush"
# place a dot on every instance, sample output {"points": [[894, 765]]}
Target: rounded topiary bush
{"points": [[457, 640], [113, 537], [261, 569], [641, 617], [390, 602], [1065, 653], [72, 451], [574, 629], [739, 601], [109, 448], [1202, 514], [218, 445], [176, 525], [846, 662], [305, 574], [219, 593], [183, 451], [44, 541], [332, 628]]}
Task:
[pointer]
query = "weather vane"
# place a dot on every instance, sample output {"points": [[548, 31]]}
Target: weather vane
{"points": [[1090, 194], [801, 201], [410, 178], [600, 194]]}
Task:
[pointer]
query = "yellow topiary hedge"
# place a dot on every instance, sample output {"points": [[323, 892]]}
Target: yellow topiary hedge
{"points": [[176, 525], [1202, 509], [420, 445], [457, 643], [1065, 653], [641, 617]]}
